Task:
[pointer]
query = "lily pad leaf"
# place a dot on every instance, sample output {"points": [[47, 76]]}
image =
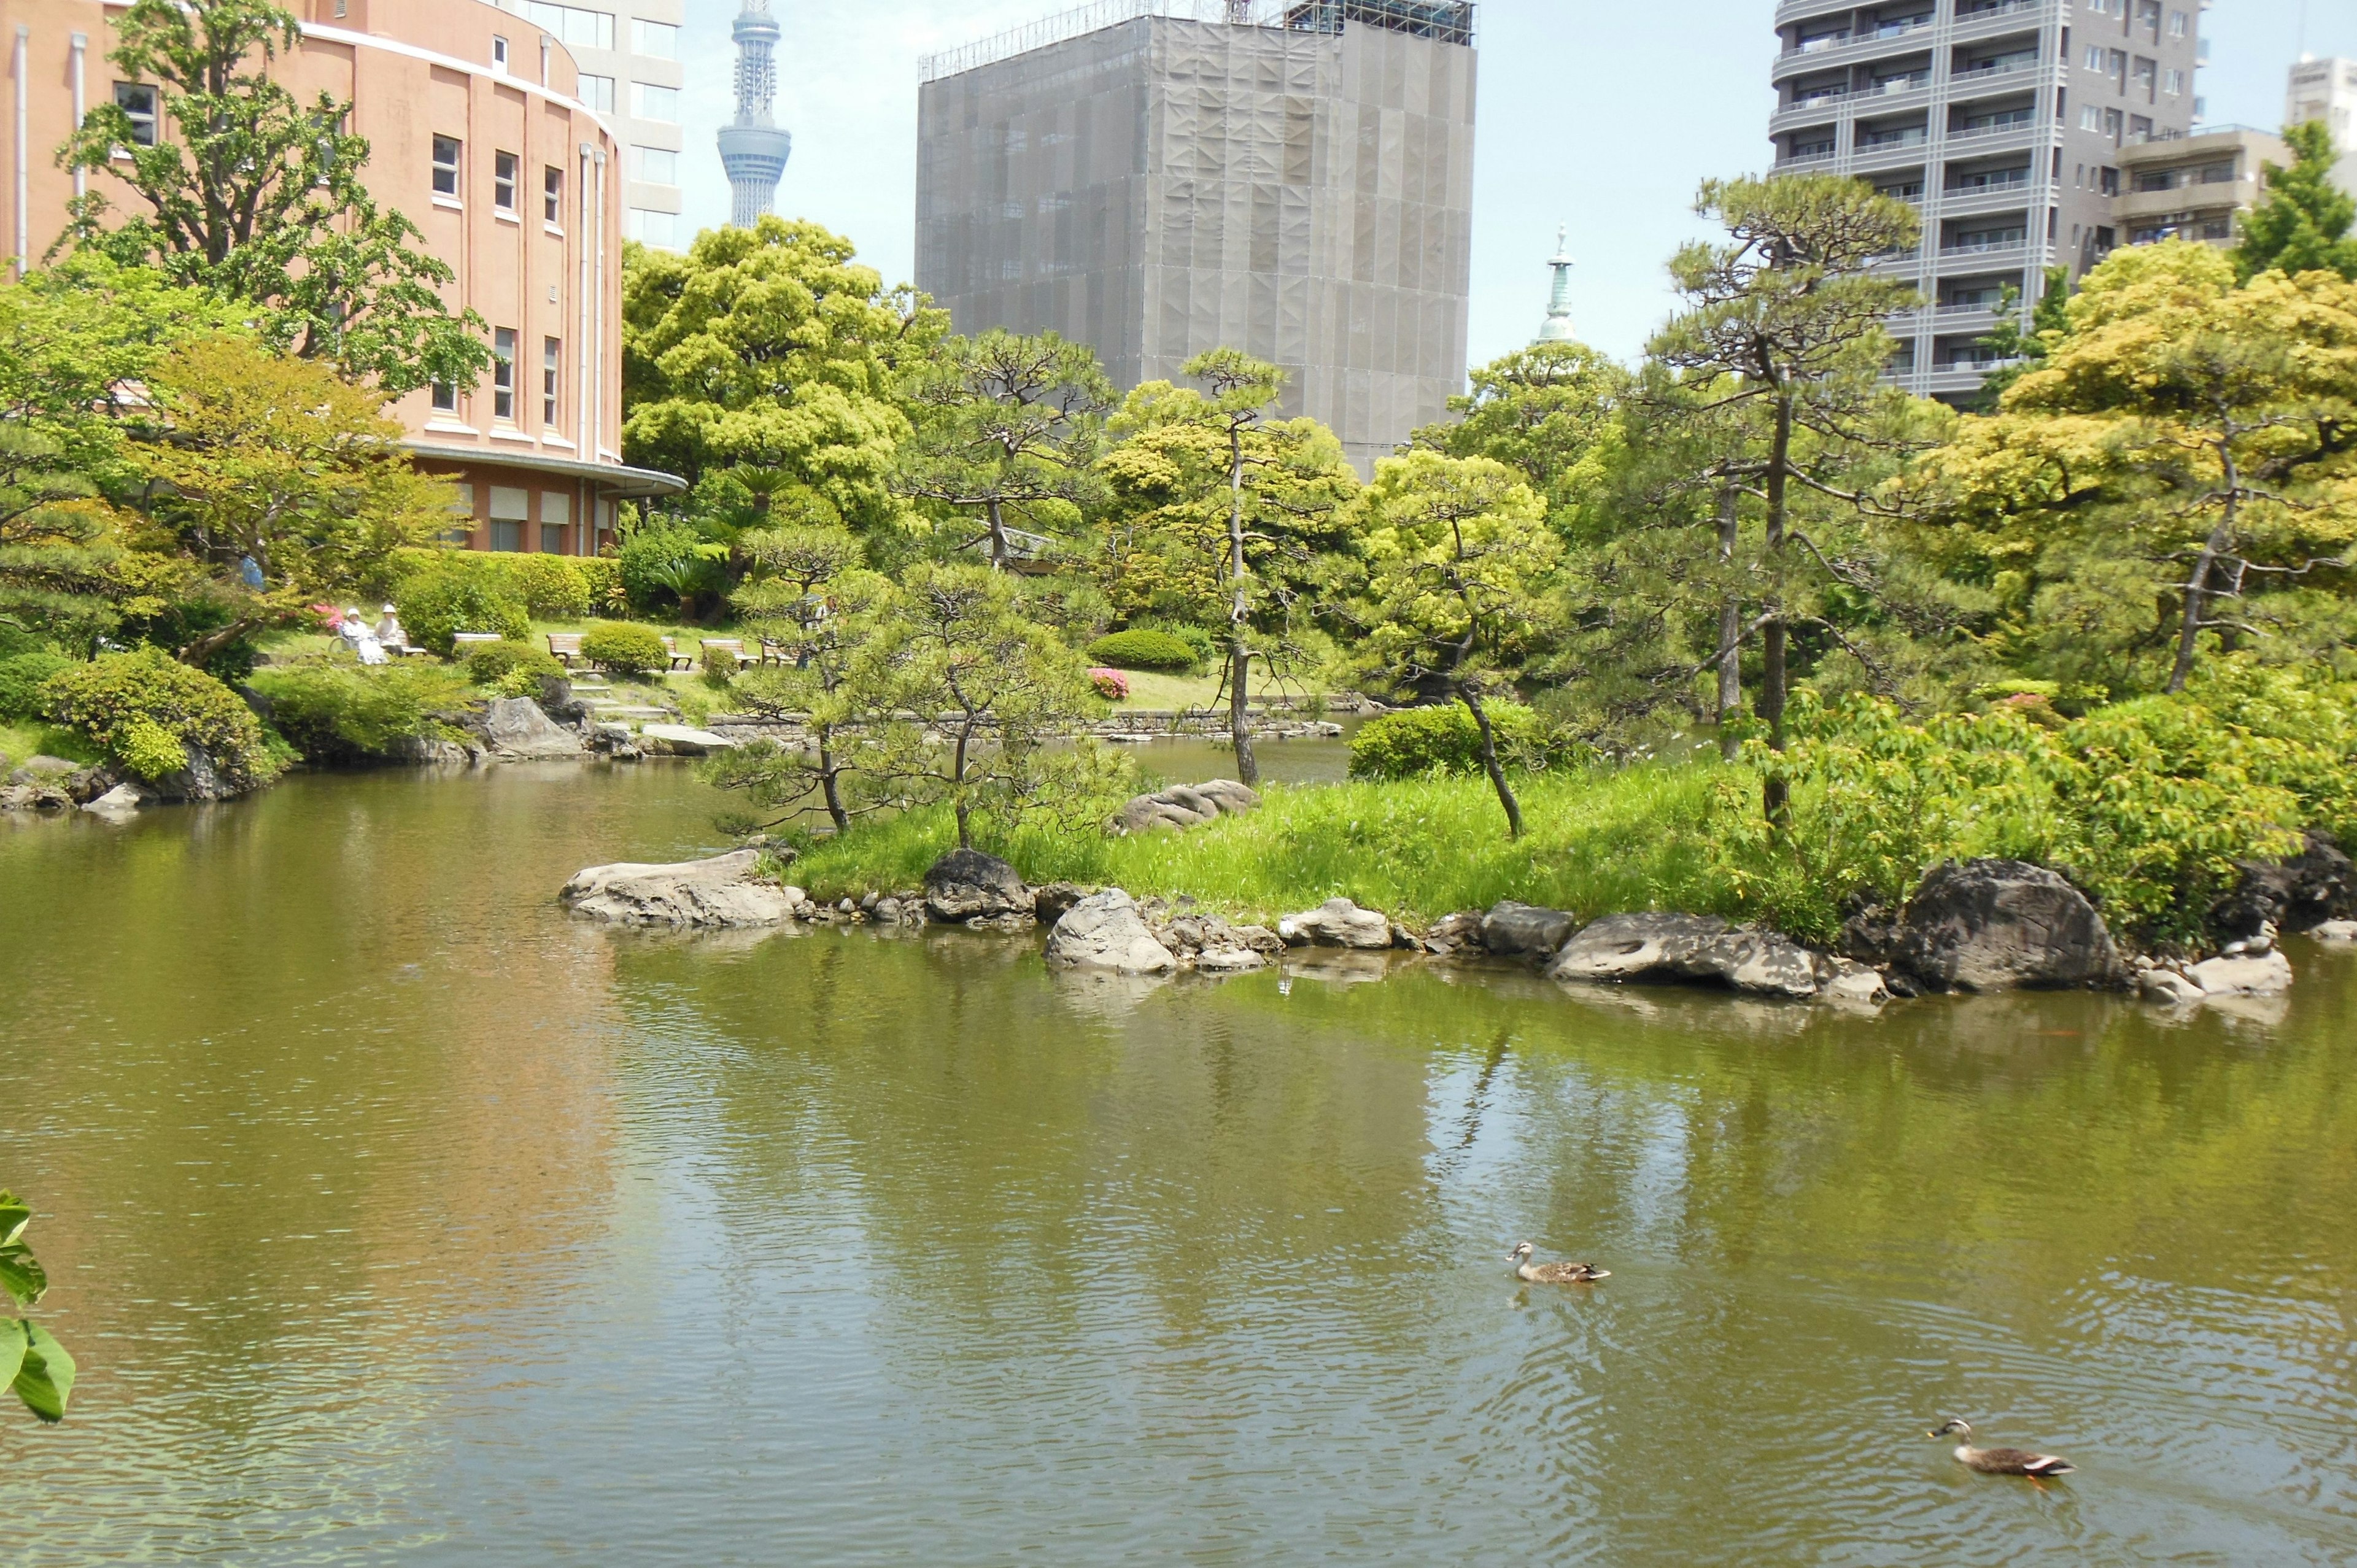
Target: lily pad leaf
{"points": [[44, 1380]]}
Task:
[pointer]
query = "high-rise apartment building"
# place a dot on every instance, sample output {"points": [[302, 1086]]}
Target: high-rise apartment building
{"points": [[2002, 121], [1157, 177], [630, 72], [2326, 90]]}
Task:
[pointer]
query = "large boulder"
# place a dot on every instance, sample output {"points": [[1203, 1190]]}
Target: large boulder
{"points": [[44, 770], [682, 740], [726, 890], [1524, 930], [966, 883], [2263, 974], [515, 728], [1634, 947], [1104, 931], [2316, 885], [1337, 923], [122, 801], [1998, 925], [1184, 806], [1760, 962], [1053, 902]]}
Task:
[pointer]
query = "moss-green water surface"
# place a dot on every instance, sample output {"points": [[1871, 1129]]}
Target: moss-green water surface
{"points": [[394, 1216]]}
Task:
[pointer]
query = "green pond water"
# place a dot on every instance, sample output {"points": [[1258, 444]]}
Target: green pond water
{"points": [[395, 1216]]}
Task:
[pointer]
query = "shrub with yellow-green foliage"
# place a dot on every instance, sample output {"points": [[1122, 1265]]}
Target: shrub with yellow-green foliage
{"points": [[145, 710], [624, 649], [337, 711]]}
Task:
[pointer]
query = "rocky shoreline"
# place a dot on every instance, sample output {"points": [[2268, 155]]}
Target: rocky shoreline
{"points": [[1974, 928]]}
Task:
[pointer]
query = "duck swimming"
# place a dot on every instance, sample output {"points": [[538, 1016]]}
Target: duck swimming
{"points": [[2001, 1461], [1553, 1273]]}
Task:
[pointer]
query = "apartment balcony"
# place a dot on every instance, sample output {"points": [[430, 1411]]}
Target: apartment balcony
{"points": [[1986, 255], [1904, 263], [1947, 380], [2013, 16], [2197, 200], [1791, 11], [1868, 46], [1975, 201], [1805, 161], [1987, 141], [1886, 157], [1819, 109], [2006, 82]]}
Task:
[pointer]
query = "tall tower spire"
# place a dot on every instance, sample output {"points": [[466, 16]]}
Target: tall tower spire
{"points": [[752, 149], [1558, 316]]}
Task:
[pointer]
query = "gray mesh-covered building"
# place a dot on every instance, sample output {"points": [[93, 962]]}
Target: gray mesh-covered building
{"points": [[1156, 178]]}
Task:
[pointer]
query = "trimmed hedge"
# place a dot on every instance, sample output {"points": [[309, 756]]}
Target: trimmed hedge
{"points": [[1142, 649], [339, 712], [1417, 742], [436, 606], [145, 709], [625, 647], [516, 668]]}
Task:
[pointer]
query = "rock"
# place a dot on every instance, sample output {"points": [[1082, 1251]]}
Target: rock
{"points": [[199, 780], [682, 740], [724, 890], [888, 912], [1994, 925], [2267, 975], [515, 728], [1461, 932], [122, 800], [1522, 930], [1051, 902], [2336, 931], [1855, 982], [1761, 962], [43, 769], [557, 700], [1105, 932], [965, 882], [1230, 961], [1337, 923], [2316, 885], [606, 737], [437, 753], [1626, 947], [1185, 806], [2167, 987], [34, 797]]}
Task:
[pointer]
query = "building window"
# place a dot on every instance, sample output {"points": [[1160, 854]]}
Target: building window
{"points": [[445, 397], [658, 165], [651, 227], [649, 101], [598, 92], [2177, 24], [552, 195], [2174, 83], [2096, 56], [503, 181], [445, 167], [579, 26], [555, 514], [511, 509], [551, 377], [137, 101], [2090, 118], [657, 40], [498, 54], [503, 369], [462, 513]]}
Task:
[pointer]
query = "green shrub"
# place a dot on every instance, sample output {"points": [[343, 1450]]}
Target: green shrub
{"points": [[554, 586], [436, 606], [601, 578], [666, 566], [1143, 648], [505, 664], [624, 649], [144, 709], [21, 679], [1443, 738], [332, 711]]}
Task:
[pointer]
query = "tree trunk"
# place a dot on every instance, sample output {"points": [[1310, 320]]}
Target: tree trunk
{"points": [[2197, 587], [964, 807], [1239, 617], [1731, 631], [997, 537], [1489, 760], [1773, 688], [829, 787]]}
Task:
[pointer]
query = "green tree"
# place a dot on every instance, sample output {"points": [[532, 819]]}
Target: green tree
{"points": [[1553, 413], [250, 457], [2303, 224], [820, 612], [31, 1359], [1461, 564], [768, 350], [980, 689], [1006, 421], [1783, 324], [2020, 348], [253, 196]]}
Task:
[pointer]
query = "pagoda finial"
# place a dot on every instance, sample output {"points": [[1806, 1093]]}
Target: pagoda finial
{"points": [[1558, 316]]}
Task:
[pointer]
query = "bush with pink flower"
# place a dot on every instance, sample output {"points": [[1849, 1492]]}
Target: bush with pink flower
{"points": [[1111, 684]]}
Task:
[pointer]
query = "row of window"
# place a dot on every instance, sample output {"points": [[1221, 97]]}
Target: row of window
{"points": [[504, 347], [2148, 15], [582, 27], [2114, 63]]}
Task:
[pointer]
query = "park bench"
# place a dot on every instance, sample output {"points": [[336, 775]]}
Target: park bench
{"points": [[729, 648], [565, 647], [461, 641], [678, 660]]}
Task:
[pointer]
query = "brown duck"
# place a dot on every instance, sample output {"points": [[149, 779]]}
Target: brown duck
{"points": [[1553, 1273], [2001, 1461]]}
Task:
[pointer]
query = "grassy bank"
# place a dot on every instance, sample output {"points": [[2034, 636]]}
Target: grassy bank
{"points": [[1596, 843]]}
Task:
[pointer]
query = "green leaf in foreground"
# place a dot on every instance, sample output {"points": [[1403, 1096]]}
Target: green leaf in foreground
{"points": [[12, 1346], [45, 1378], [21, 1276]]}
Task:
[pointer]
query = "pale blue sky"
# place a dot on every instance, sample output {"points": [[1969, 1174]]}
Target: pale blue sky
{"points": [[1603, 112]]}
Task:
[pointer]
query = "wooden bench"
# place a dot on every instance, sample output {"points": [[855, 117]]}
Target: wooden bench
{"points": [[730, 648], [565, 647], [461, 641], [678, 660]]}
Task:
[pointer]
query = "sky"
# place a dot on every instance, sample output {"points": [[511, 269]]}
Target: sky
{"points": [[1604, 114]]}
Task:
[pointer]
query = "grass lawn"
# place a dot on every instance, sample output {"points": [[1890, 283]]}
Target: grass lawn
{"points": [[1150, 690], [18, 742], [1596, 843]]}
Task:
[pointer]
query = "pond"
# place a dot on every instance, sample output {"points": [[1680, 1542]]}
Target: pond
{"points": [[394, 1216]]}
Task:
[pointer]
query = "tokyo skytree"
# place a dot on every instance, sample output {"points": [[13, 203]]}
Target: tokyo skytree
{"points": [[752, 149]]}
